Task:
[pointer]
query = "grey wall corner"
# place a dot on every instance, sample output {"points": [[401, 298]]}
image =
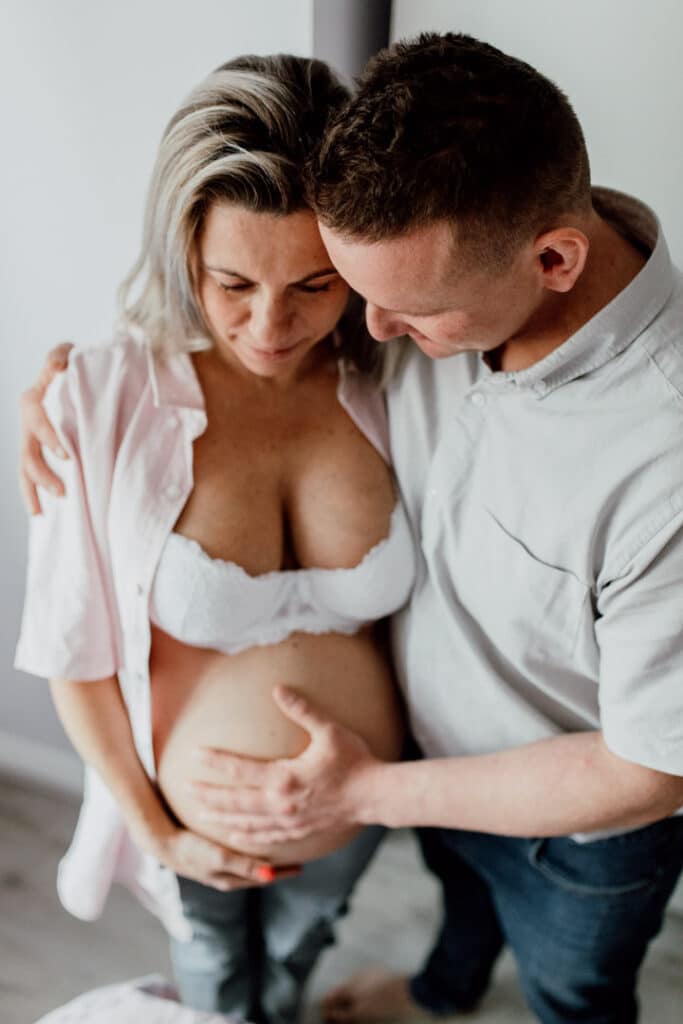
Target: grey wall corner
{"points": [[346, 33]]}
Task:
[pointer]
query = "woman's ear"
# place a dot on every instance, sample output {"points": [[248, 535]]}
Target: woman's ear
{"points": [[561, 255]]}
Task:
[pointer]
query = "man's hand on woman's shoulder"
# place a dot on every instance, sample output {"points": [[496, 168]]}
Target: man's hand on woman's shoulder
{"points": [[37, 432]]}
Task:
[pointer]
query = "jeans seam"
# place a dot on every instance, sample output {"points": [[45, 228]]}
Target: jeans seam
{"points": [[561, 880]]}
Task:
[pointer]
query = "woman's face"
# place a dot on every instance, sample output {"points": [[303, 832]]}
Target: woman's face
{"points": [[267, 288]]}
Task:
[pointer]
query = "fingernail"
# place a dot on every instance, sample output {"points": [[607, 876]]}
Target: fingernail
{"points": [[265, 873], [62, 454], [200, 754], [54, 490]]}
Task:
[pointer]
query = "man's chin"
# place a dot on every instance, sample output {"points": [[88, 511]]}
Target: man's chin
{"points": [[438, 349]]}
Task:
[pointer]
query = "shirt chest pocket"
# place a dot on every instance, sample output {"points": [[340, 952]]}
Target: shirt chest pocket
{"points": [[525, 606]]}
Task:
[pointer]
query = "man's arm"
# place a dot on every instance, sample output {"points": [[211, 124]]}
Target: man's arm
{"points": [[578, 782], [570, 783]]}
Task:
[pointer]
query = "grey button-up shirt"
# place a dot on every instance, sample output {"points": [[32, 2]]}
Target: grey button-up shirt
{"points": [[548, 505]]}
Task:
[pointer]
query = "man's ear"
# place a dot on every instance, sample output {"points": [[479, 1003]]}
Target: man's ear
{"points": [[561, 255]]}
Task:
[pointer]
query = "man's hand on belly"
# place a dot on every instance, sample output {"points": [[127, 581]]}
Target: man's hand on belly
{"points": [[264, 802]]}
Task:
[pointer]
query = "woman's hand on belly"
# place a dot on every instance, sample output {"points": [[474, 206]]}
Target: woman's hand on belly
{"points": [[325, 788], [193, 856]]}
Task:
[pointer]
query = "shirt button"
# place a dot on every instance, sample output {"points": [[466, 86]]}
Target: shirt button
{"points": [[139, 589], [173, 419], [173, 492], [478, 399]]}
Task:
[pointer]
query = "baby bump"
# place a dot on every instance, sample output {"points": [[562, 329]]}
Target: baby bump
{"points": [[204, 698]]}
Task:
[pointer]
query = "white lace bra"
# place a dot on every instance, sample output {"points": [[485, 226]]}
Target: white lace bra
{"points": [[207, 602]]}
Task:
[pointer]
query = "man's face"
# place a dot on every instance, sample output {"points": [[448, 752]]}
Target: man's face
{"points": [[417, 285]]}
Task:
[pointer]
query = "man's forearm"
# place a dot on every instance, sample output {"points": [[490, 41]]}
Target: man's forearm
{"points": [[567, 784]]}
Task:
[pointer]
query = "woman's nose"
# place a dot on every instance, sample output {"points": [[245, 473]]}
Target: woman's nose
{"points": [[270, 320]]}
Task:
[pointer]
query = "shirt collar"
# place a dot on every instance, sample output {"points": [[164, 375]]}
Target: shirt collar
{"points": [[174, 381], [623, 319]]}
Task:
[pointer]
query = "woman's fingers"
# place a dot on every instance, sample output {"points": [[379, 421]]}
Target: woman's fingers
{"points": [[242, 866], [228, 882], [219, 865]]}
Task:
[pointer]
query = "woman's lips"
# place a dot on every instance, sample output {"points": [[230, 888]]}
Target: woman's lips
{"points": [[274, 354]]}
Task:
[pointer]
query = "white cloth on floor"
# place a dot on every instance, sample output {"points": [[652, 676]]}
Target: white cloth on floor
{"points": [[150, 1000]]}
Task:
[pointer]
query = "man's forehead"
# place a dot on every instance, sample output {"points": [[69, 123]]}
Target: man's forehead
{"points": [[384, 271]]}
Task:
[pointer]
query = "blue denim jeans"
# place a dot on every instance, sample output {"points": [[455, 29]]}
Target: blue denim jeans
{"points": [[577, 916], [252, 950]]}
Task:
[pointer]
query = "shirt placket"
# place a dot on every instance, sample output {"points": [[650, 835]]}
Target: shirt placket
{"points": [[174, 483]]}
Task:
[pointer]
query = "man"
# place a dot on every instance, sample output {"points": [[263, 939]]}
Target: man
{"points": [[539, 451]]}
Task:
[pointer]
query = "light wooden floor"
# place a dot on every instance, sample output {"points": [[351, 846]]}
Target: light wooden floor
{"points": [[47, 957]]}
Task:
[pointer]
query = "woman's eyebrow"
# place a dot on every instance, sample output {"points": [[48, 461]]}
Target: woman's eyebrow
{"points": [[325, 272], [226, 270]]}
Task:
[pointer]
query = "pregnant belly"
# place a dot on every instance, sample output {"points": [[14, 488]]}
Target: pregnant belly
{"points": [[205, 698]]}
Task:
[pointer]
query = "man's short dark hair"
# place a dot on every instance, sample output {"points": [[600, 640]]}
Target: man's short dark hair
{"points": [[448, 127]]}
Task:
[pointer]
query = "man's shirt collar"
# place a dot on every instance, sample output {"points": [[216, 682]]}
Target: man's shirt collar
{"points": [[622, 320]]}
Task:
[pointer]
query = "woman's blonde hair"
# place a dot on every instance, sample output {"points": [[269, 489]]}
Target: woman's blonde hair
{"points": [[244, 135]]}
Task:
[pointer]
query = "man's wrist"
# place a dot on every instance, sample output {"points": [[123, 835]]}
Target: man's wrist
{"points": [[370, 798]]}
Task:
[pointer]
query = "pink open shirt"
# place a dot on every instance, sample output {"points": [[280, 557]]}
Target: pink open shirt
{"points": [[128, 419]]}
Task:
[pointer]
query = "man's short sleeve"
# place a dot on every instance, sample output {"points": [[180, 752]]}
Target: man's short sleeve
{"points": [[640, 635], [68, 627]]}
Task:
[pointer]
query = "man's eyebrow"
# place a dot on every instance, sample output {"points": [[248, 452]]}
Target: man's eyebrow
{"points": [[414, 312], [324, 272]]}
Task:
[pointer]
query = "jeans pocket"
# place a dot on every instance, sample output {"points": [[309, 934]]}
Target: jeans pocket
{"points": [[613, 867]]}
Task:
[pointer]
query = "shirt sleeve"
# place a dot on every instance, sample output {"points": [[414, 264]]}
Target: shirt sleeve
{"points": [[640, 636], [68, 624]]}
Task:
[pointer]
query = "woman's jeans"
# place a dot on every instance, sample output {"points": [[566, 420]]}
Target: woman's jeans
{"points": [[577, 916], [252, 950]]}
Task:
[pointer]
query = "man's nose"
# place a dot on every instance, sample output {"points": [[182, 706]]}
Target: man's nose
{"points": [[382, 325]]}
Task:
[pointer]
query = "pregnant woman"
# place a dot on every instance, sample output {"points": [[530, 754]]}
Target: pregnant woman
{"points": [[230, 522]]}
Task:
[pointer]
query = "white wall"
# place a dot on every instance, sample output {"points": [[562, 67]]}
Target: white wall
{"points": [[619, 61], [85, 91]]}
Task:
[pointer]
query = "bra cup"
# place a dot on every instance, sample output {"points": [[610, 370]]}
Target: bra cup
{"points": [[378, 585], [206, 599], [208, 602]]}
